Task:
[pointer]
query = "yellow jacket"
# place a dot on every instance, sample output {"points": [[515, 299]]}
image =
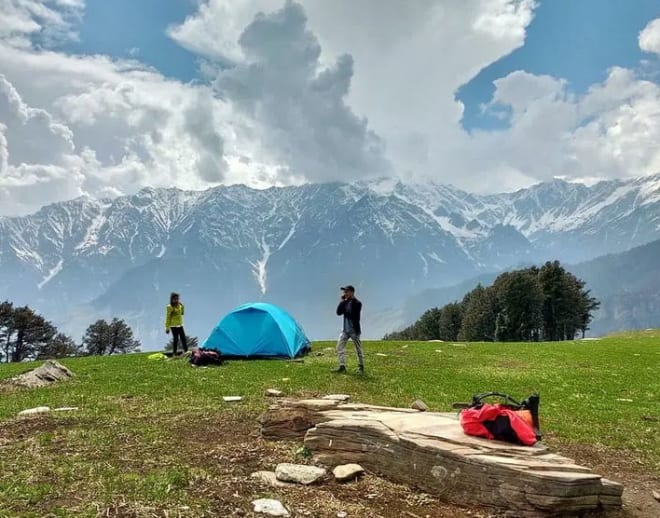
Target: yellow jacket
{"points": [[174, 316]]}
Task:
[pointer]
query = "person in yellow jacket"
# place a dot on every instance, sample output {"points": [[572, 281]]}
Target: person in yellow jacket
{"points": [[174, 322]]}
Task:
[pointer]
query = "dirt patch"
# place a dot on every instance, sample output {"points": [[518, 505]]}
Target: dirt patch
{"points": [[20, 429], [620, 466], [222, 451]]}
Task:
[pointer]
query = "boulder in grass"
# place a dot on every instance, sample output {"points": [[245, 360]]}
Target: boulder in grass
{"points": [[47, 374]]}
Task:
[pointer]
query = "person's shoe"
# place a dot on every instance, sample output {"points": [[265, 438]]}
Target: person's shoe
{"points": [[360, 369], [340, 370]]}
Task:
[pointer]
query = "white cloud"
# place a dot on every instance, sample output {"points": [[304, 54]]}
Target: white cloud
{"points": [[296, 109], [329, 90], [43, 22], [408, 63], [609, 132], [649, 38]]}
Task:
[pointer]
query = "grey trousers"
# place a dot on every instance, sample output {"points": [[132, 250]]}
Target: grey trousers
{"points": [[341, 347]]}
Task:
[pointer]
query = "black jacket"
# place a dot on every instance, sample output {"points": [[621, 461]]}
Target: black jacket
{"points": [[351, 309]]}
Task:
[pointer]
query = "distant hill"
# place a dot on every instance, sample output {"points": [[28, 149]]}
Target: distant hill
{"points": [[627, 284]]}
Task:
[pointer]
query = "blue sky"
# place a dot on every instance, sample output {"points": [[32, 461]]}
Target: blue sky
{"points": [[115, 27], [577, 40]]}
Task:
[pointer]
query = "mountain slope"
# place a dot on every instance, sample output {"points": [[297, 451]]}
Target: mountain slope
{"points": [[627, 285], [294, 246]]}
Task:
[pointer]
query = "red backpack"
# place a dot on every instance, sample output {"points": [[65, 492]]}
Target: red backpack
{"points": [[510, 421]]}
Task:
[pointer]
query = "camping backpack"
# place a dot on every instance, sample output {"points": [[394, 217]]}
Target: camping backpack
{"points": [[201, 357], [509, 421]]}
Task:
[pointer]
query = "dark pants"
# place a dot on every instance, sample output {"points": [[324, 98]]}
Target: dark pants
{"points": [[178, 333]]}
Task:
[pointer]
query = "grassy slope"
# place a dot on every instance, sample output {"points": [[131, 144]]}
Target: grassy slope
{"points": [[128, 441]]}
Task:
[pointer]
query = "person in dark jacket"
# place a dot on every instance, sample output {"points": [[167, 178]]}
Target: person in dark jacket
{"points": [[350, 308]]}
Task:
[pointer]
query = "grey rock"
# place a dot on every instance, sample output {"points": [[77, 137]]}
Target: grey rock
{"points": [[274, 393], [418, 404], [347, 472], [270, 507], [269, 478], [299, 473]]}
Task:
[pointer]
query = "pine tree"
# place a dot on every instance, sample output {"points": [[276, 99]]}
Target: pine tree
{"points": [[521, 298], [32, 332], [61, 346], [109, 338], [6, 329], [451, 317], [478, 324]]}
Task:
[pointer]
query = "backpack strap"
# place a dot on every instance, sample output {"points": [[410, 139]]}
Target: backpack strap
{"points": [[478, 400]]}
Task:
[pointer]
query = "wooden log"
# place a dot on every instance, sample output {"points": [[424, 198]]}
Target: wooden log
{"points": [[430, 451]]}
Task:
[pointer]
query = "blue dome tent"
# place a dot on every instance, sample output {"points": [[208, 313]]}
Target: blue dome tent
{"points": [[258, 330]]}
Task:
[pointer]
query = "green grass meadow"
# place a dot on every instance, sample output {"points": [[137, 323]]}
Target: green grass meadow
{"points": [[135, 440]]}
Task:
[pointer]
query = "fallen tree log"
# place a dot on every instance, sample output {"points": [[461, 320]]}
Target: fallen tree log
{"points": [[430, 451]]}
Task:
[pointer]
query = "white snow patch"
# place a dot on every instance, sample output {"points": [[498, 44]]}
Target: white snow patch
{"points": [[91, 238], [426, 264], [259, 267], [51, 274], [30, 257], [436, 258]]}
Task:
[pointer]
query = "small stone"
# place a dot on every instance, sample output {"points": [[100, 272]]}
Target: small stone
{"points": [[270, 507], [299, 473], [342, 514], [419, 405], [66, 409], [347, 472], [269, 477], [274, 393], [656, 495], [337, 397], [232, 399], [36, 410]]}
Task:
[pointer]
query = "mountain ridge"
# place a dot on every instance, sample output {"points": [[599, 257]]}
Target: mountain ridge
{"points": [[226, 245]]}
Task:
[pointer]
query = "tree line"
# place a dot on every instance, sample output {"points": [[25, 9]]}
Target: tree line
{"points": [[533, 304], [26, 335]]}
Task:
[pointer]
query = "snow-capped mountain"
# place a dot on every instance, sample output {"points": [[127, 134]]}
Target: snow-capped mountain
{"points": [[295, 246]]}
